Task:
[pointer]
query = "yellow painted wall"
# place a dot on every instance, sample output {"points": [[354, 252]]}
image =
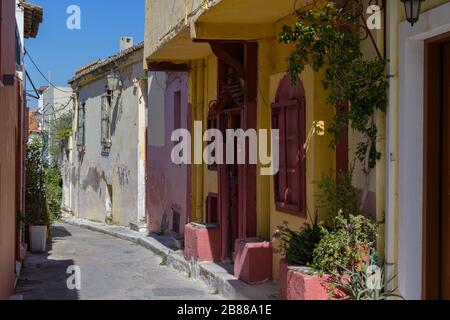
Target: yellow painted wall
{"points": [[210, 177], [202, 89], [320, 158]]}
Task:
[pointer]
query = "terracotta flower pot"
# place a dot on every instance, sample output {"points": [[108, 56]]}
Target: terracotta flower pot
{"points": [[295, 283]]}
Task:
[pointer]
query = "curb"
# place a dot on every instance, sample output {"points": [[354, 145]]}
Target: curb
{"points": [[218, 280]]}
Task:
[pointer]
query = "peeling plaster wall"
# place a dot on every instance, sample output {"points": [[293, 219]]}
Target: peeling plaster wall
{"points": [[94, 172]]}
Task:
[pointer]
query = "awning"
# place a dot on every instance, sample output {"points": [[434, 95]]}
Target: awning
{"points": [[226, 20]]}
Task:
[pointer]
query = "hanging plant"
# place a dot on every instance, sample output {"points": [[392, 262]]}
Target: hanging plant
{"points": [[326, 39]]}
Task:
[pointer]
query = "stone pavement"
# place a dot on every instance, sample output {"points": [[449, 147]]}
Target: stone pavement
{"points": [[111, 269]]}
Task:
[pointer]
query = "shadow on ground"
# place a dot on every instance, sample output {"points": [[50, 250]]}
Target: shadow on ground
{"points": [[45, 278]]}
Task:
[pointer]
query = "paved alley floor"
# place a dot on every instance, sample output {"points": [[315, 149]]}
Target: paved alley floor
{"points": [[110, 269]]}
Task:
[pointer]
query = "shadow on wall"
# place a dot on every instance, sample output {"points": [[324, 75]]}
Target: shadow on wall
{"points": [[93, 179], [46, 279]]}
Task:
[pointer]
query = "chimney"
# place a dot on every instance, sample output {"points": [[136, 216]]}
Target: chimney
{"points": [[126, 43]]}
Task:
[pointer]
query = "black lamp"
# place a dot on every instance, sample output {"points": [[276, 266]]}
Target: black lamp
{"points": [[412, 10]]}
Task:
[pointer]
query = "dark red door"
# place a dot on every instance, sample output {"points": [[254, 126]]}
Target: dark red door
{"points": [[230, 185]]}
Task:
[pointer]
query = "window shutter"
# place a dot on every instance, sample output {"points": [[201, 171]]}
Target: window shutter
{"points": [[288, 116], [81, 125], [293, 154], [105, 121]]}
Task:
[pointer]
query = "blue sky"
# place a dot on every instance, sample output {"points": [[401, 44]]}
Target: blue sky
{"points": [[61, 51]]}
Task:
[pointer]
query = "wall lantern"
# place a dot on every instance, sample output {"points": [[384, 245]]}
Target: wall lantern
{"points": [[113, 81], [412, 10]]}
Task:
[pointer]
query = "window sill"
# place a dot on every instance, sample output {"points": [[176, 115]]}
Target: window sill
{"points": [[289, 209]]}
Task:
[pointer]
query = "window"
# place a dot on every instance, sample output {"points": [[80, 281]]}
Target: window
{"points": [[288, 116], [106, 123], [81, 137]]}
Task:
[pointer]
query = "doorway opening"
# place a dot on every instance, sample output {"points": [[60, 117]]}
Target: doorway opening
{"points": [[436, 259], [236, 108]]}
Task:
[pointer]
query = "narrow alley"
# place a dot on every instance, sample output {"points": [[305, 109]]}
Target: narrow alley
{"points": [[224, 150], [111, 269]]}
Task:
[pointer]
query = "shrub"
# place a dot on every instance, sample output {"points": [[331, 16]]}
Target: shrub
{"points": [[345, 246], [43, 187], [61, 131], [298, 246], [53, 193], [35, 208]]}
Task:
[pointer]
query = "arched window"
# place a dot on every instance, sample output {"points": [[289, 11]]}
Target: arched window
{"points": [[288, 116]]}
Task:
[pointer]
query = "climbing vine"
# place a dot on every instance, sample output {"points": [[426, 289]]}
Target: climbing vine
{"points": [[327, 40], [61, 132]]}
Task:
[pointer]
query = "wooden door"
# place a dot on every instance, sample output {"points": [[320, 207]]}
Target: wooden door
{"points": [[445, 176], [436, 219], [231, 188]]}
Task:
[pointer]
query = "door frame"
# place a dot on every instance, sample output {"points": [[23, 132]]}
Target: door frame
{"points": [[432, 167], [247, 70]]}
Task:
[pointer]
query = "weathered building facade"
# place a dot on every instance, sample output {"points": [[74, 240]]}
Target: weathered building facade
{"points": [[106, 164]]}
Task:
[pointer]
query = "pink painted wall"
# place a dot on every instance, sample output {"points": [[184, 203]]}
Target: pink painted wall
{"points": [[9, 129], [169, 184]]}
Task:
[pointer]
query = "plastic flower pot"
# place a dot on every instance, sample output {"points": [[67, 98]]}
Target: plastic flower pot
{"points": [[38, 238]]}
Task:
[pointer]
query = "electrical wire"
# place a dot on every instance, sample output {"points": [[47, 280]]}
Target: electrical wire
{"points": [[42, 74]]}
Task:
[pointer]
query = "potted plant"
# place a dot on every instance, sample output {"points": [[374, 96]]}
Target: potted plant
{"points": [[317, 259], [297, 281], [36, 213]]}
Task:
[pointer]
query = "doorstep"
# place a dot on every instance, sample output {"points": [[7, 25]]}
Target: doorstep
{"points": [[216, 277]]}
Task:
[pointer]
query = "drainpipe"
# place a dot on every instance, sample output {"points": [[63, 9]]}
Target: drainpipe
{"points": [[391, 230], [199, 116], [195, 168], [75, 118], [73, 153]]}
